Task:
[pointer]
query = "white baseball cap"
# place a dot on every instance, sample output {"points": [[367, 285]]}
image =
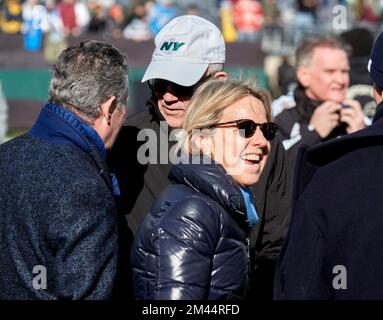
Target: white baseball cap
{"points": [[184, 49]]}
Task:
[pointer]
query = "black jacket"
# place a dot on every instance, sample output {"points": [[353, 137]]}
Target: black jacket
{"points": [[337, 221], [141, 184], [193, 242]]}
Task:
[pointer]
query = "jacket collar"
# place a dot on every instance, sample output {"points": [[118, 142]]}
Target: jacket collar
{"points": [[58, 125], [304, 105], [211, 179], [153, 109], [326, 152], [309, 159], [378, 113]]}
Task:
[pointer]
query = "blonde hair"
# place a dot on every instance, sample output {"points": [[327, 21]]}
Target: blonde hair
{"points": [[211, 99]]}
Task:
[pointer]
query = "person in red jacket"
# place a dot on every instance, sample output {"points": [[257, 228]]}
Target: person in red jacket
{"points": [[248, 19]]}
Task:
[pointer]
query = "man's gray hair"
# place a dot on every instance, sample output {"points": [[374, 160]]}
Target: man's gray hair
{"points": [[213, 68], [88, 74], [306, 48]]}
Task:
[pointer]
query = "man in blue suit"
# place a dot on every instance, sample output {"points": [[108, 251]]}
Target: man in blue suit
{"points": [[58, 218], [334, 247]]}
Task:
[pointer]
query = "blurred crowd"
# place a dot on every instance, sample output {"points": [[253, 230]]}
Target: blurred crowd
{"points": [[277, 22], [278, 26]]}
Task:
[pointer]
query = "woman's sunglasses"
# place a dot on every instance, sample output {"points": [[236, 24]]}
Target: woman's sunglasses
{"points": [[160, 86], [248, 127]]}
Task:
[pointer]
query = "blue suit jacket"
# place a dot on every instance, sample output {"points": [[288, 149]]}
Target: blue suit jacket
{"points": [[56, 210]]}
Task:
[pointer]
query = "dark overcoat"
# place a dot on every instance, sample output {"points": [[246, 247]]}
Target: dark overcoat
{"points": [[334, 247]]}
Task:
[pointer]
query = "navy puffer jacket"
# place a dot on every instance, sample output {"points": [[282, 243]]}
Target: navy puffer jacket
{"points": [[193, 242]]}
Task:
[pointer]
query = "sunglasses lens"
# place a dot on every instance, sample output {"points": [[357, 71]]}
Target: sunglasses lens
{"points": [[248, 128], [269, 129], [161, 86], [183, 91], [158, 85]]}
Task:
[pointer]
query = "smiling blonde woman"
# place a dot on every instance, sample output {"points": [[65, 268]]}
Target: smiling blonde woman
{"points": [[193, 244]]}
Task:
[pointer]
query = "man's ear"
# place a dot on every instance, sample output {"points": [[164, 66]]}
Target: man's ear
{"points": [[303, 76], [108, 107], [220, 75]]}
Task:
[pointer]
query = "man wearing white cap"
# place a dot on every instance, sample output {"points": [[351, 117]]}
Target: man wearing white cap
{"points": [[185, 48], [188, 51]]}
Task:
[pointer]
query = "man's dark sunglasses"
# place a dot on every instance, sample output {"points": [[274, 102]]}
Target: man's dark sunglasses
{"points": [[248, 127], [160, 86]]}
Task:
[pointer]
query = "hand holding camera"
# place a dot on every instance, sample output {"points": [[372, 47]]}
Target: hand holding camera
{"points": [[352, 115], [325, 118]]}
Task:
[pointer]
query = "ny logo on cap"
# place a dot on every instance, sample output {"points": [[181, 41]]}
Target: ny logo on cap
{"points": [[168, 45]]}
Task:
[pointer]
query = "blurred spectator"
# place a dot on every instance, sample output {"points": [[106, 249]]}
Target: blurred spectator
{"points": [[272, 32], [11, 17], [286, 76], [248, 19], [138, 27], [192, 10], [98, 17], [334, 247], [68, 17], [288, 16], [54, 40], [82, 15], [116, 20], [307, 10], [271, 13], [106, 4], [34, 20], [207, 9], [227, 21], [160, 14], [318, 109], [305, 18], [3, 116], [368, 12]]}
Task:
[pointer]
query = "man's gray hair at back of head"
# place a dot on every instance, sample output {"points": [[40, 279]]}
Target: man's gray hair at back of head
{"points": [[213, 68], [88, 74]]}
